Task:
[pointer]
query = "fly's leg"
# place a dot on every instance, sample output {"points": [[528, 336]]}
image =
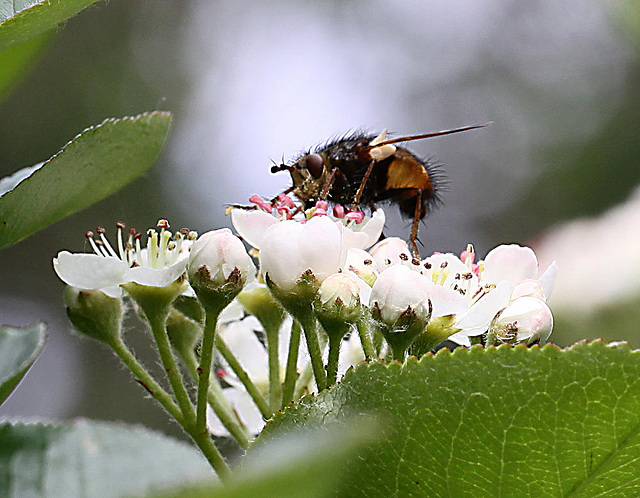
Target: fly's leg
{"points": [[325, 190], [363, 184], [414, 226]]}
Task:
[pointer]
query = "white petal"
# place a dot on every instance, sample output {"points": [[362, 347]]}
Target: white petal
{"points": [[510, 262], [234, 311], [460, 338], [476, 321], [350, 354], [154, 277], [548, 279], [387, 252], [371, 227], [362, 264], [252, 224], [89, 271], [446, 301]]}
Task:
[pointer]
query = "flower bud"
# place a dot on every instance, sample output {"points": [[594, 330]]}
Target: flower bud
{"points": [[94, 314], [295, 258], [527, 320], [219, 267], [400, 304], [337, 304]]}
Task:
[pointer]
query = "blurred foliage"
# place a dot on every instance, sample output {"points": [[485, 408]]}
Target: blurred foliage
{"points": [[17, 60], [619, 322], [585, 180]]}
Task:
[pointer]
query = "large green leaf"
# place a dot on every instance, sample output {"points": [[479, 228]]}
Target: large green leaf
{"points": [[91, 459], [21, 20], [95, 164], [19, 348], [303, 464], [496, 422]]}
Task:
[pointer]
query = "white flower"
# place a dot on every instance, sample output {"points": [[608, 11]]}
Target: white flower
{"points": [[221, 253], [399, 290], [160, 264], [290, 249], [508, 273]]}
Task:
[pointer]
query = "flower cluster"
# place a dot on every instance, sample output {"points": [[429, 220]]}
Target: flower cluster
{"points": [[326, 295]]}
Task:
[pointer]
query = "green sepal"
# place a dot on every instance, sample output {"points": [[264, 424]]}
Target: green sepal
{"points": [[437, 331], [214, 296], [155, 301]]}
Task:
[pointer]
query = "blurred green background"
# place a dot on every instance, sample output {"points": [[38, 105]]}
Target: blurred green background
{"points": [[249, 83]]}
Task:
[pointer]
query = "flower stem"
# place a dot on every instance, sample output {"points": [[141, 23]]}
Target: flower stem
{"points": [[170, 366], [221, 406], [275, 386], [292, 364], [186, 416], [243, 376], [334, 356], [211, 453], [365, 339], [204, 370], [310, 327], [146, 380]]}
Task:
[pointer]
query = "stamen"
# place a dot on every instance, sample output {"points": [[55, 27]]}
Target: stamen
{"points": [[152, 248], [119, 227], [89, 236], [137, 237], [103, 251]]}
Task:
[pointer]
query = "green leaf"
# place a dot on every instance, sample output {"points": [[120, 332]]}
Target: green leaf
{"points": [[303, 464], [92, 459], [496, 422], [21, 20], [17, 60], [19, 348], [95, 164]]}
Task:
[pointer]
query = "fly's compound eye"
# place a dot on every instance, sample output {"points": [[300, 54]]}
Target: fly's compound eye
{"points": [[315, 165]]}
